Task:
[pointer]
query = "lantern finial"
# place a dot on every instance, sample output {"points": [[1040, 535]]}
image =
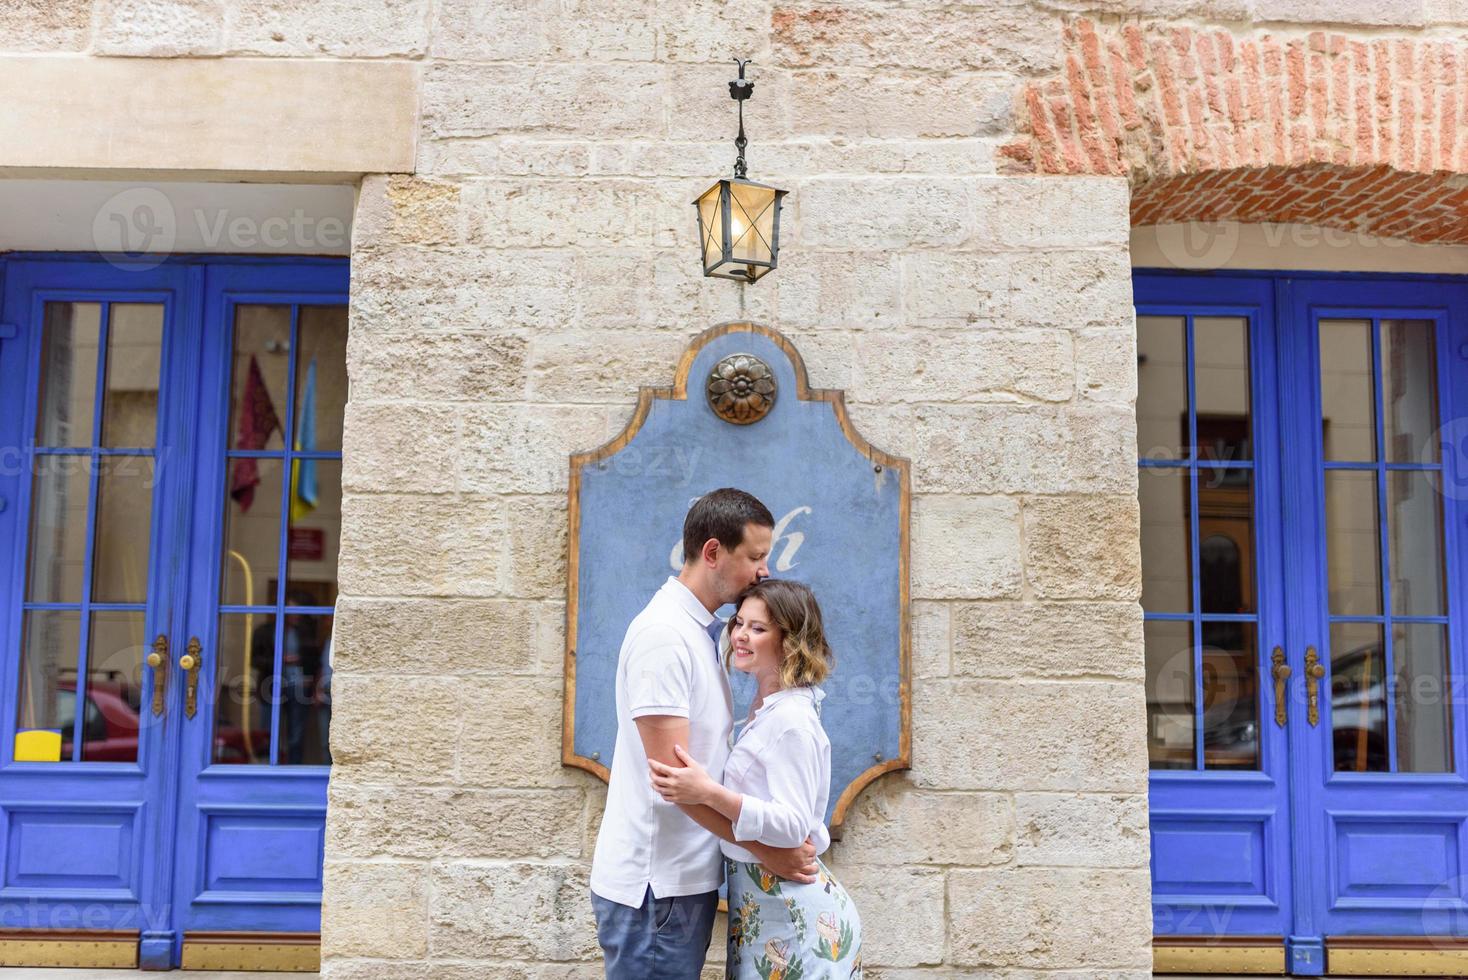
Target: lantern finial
{"points": [[740, 89]]}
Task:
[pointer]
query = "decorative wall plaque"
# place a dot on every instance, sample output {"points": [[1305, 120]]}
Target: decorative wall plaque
{"points": [[842, 510]]}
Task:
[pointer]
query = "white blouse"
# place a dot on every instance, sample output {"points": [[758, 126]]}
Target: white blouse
{"points": [[781, 765]]}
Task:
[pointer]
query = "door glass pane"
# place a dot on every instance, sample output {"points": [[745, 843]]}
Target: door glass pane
{"points": [[1357, 697], [245, 671], [1424, 723], [1347, 392], [70, 337], [316, 520], [1409, 390], [46, 693], [252, 532], [124, 527], [1414, 525], [134, 354], [58, 532], [321, 377], [305, 690], [1230, 697], [1170, 723], [1226, 540], [261, 366], [1167, 579], [1353, 542], [114, 687], [1162, 387], [1221, 385]]}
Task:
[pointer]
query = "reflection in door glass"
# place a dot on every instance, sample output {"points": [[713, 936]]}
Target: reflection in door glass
{"points": [[1230, 696], [1409, 390], [282, 518], [1415, 531], [1358, 697], [1162, 393], [1170, 693], [1221, 381], [1353, 540], [1347, 391], [1167, 578], [1424, 722], [89, 531]]}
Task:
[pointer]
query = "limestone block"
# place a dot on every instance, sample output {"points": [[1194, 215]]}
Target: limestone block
{"points": [[1048, 639], [504, 155], [464, 99], [955, 290], [1055, 212], [482, 910], [1081, 830], [983, 735], [511, 734], [1028, 917], [536, 566], [454, 366], [932, 639], [885, 212], [1031, 449], [1083, 547], [373, 820], [1106, 364], [338, 28], [893, 823], [1389, 13], [408, 289], [159, 28], [436, 636], [975, 365], [405, 210], [665, 289], [1069, 289], [52, 26], [544, 30], [851, 104], [699, 108], [700, 160], [561, 370], [590, 212], [829, 290], [901, 921], [1010, 36], [460, 970], [401, 544], [713, 30], [550, 637], [526, 448], [394, 728], [965, 547], [403, 447], [358, 898]]}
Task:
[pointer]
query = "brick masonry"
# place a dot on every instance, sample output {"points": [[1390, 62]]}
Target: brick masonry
{"points": [[1362, 133]]}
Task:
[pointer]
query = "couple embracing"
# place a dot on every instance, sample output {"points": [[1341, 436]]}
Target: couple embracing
{"points": [[691, 803]]}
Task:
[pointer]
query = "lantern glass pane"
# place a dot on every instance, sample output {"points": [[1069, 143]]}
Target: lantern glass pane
{"points": [[751, 222], [710, 225]]}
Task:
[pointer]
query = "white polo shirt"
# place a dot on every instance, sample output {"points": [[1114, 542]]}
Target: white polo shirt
{"points": [[781, 765], [668, 666]]}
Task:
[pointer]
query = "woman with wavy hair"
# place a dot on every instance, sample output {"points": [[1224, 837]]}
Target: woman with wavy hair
{"points": [[775, 788]]}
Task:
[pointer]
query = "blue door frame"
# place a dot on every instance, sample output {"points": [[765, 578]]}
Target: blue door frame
{"points": [[1295, 850], [172, 843]]}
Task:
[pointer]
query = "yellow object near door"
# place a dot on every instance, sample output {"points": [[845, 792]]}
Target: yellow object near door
{"points": [[37, 745]]}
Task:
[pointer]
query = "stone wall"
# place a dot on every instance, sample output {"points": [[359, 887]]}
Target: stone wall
{"points": [[509, 297]]}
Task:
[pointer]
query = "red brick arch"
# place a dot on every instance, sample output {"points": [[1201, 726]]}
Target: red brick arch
{"points": [[1358, 133]]}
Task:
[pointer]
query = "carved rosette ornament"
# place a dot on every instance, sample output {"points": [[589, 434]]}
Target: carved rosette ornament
{"points": [[741, 389]]}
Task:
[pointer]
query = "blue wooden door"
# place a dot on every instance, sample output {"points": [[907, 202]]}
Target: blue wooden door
{"points": [[1301, 483], [146, 457]]}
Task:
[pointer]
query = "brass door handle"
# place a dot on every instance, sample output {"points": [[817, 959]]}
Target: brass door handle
{"points": [[189, 662], [1314, 670], [1281, 674], [158, 661]]}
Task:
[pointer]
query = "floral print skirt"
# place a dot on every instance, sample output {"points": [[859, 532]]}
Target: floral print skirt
{"points": [[781, 930]]}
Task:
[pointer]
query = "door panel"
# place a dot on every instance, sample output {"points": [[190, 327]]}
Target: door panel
{"points": [[167, 605], [1219, 801], [91, 364], [1355, 821]]}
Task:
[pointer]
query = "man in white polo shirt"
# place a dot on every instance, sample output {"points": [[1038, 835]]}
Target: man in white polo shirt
{"points": [[657, 869]]}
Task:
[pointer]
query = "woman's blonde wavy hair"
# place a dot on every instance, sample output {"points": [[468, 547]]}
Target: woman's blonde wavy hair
{"points": [[807, 659]]}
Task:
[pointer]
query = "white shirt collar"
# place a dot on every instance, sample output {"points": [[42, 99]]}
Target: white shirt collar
{"points": [[684, 597], [815, 694]]}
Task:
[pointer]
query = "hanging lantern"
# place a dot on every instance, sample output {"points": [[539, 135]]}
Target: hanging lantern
{"points": [[738, 219]]}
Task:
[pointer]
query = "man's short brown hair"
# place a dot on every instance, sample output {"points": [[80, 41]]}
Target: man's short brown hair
{"points": [[722, 514]]}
